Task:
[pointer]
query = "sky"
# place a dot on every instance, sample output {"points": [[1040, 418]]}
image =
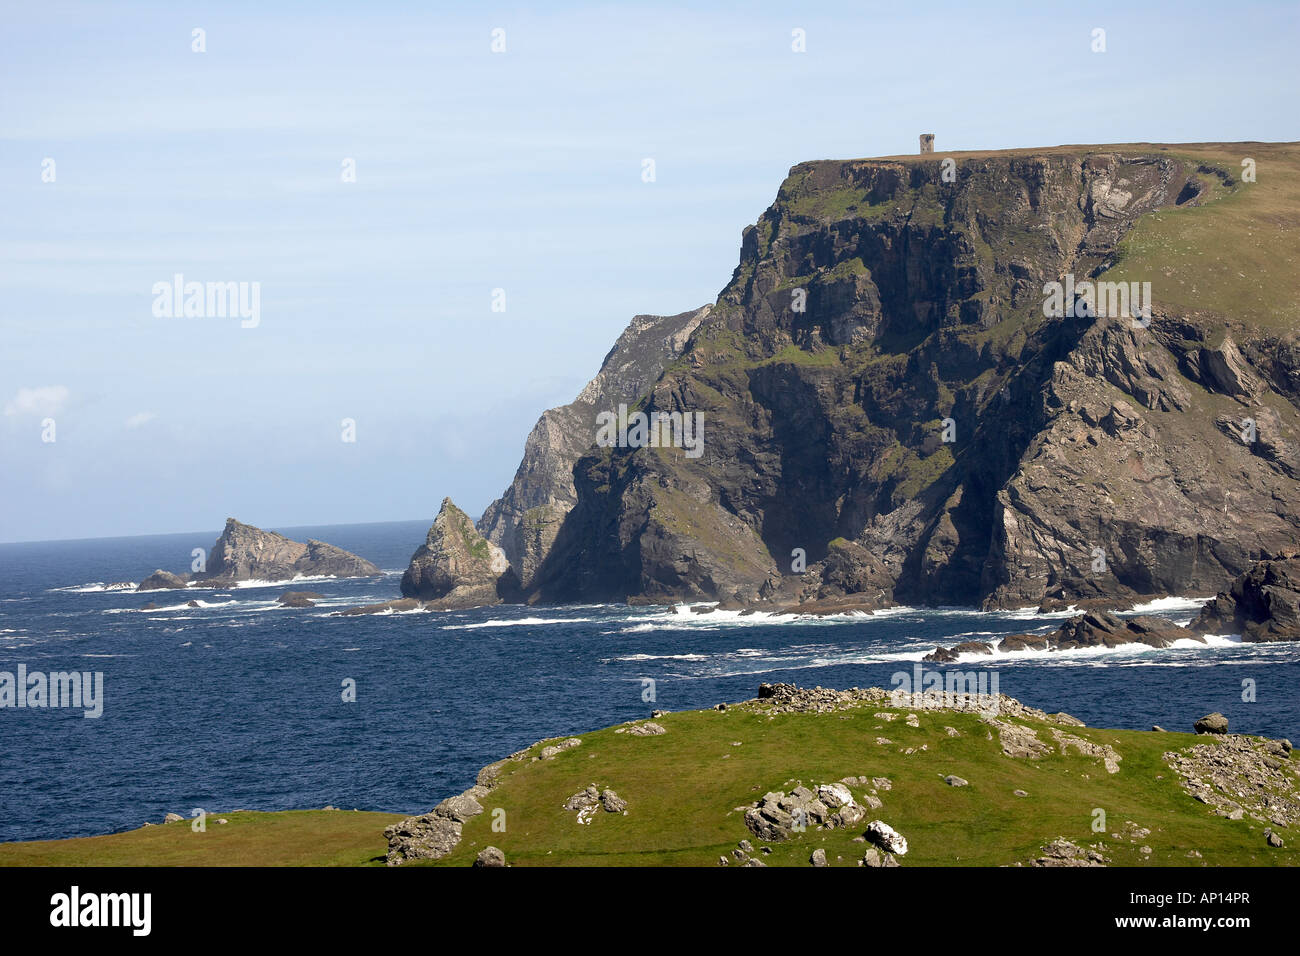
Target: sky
{"points": [[512, 178]]}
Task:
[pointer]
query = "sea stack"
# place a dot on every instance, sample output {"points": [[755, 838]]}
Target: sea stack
{"points": [[246, 553], [457, 567]]}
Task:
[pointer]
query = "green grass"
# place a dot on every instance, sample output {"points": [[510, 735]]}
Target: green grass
{"points": [[1238, 255], [682, 789], [289, 838]]}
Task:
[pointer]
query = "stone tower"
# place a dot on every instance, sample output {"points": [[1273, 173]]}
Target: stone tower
{"points": [[927, 142]]}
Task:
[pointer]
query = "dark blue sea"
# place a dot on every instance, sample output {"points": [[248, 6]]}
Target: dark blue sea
{"points": [[238, 703]]}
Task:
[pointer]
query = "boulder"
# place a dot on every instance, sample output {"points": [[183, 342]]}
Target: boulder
{"points": [[1214, 723], [163, 580], [886, 837], [300, 598], [490, 856], [950, 655], [875, 859]]}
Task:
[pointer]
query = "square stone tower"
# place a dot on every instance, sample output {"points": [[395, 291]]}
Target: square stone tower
{"points": [[927, 142]]}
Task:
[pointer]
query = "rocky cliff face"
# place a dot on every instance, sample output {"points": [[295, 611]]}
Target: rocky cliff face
{"points": [[889, 413], [1261, 605], [523, 522], [457, 568], [246, 553]]}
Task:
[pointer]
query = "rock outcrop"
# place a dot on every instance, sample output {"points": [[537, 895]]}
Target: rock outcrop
{"points": [[1099, 629], [457, 568], [246, 553], [163, 580], [525, 519], [1261, 605]]}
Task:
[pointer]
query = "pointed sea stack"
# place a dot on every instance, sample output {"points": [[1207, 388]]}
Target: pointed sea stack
{"points": [[457, 567]]}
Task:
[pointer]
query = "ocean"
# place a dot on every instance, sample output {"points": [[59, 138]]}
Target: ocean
{"points": [[238, 703]]}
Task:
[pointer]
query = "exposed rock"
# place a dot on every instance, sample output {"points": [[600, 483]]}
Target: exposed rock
{"points": [[886, 837], [583, 798], [1061, 852], [818, 857], [163, 580], [1234, 775], [1214, 723], [428, 837], [1109, 757], [953, 780], [645, 729], [457, 568], [1018, 740], [835, 795], [173, 818], [612, 802], [246, 553], [949, 655], [875, 859], [554, 750], [490, 856], [300, 598], [1261, 605], [383, 607], [526, 518], [1099, 629]]}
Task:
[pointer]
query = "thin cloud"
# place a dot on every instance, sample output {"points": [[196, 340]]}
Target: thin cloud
{"points": [[42, 400], [140, 418]]}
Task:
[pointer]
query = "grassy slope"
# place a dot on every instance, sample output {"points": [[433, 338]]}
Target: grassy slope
{"points": [[682, 789], [291, 838]]}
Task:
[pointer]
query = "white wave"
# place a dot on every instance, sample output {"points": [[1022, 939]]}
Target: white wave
{"points": [[1031, 613], [530, 621], [1170, 604], [663, 657], [296, 579], [98, 587], [177, 607]]}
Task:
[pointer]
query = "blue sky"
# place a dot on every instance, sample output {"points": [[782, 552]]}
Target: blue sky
{"points": [[475, 171]]}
